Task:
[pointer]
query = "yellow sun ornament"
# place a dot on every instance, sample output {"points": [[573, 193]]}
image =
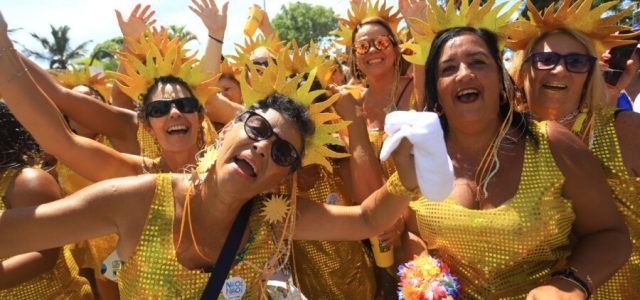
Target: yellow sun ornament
{"points": [[277, 78], [231, 69], [164, 59], [275, 209], [577, 16], [358, 13], [74, 77], [471, 14], [271, 42]]}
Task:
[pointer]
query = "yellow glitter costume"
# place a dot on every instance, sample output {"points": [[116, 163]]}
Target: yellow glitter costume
{"points": [[61, 282], [625, 284], [507, 251], [332, 270], [153, 271], [88, 254]]}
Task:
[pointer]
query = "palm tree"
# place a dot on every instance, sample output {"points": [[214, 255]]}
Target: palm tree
{"points": [[181, 31], [58, 51]]}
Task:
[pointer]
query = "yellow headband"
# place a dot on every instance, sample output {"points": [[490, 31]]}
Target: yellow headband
{"points": [[365, 10]]}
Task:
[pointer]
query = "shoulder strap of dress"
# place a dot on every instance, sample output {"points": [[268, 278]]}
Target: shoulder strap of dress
{"points": [[404, 89]]}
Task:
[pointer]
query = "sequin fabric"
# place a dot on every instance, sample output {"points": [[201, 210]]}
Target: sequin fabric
{"points": [[61, 282], [376, 137], [332, 270], [149, 147], [153, 271], [505, 252], [625, 283], [87, 254]]}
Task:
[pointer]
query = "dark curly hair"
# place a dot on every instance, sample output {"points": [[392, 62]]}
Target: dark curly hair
{"points": [[17, 147]]}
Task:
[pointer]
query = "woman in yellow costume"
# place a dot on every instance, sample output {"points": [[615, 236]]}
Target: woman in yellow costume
{"points": [[171, 227], [523, 191], [48, 274], [88, 254], [556, 69]]}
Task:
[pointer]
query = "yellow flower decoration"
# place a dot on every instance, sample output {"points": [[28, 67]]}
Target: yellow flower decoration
{"points": [[358, 13], [577, 16], [73, 77], [166, 59], [275, 209], [276, 78], [486, 16]]}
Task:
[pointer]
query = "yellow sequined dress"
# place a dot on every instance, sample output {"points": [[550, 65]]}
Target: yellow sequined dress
{"points": [[505, 252], [625, 284], [88, 254], [61, 282], [153, 271], [332, 270]]}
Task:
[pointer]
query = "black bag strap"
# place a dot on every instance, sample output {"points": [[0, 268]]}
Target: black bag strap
{"points": [[225, 259]]}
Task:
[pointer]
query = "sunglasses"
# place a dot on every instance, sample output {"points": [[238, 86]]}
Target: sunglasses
{"points": [[574, 62], [258, 128], [381, 42], [264, 63], [160, 108]]}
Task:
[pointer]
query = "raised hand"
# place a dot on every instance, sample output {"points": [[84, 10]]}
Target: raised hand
{"points": [[413, 9], [214, 19], [137, 22]]}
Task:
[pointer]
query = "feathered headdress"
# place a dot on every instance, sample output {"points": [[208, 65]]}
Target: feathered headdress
{"points": [[577, 16], [358, 13], [162, 57], [74, 77], [486, 16]]}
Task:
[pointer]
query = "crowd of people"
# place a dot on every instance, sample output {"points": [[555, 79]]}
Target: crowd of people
{"points": [[264, 174]]}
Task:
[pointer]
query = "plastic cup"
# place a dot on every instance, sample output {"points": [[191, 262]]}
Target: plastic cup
{"points": [[383, 254]]}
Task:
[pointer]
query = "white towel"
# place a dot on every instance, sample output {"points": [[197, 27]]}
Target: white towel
{"points": [[433, 165]]}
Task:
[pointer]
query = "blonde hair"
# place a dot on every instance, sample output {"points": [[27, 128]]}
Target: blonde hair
{"points": [[594, 93]]}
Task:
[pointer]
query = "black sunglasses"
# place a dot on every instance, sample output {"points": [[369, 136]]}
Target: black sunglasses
{"points": [[574, 62], [258, 128], [160, 108], [381, 42]]}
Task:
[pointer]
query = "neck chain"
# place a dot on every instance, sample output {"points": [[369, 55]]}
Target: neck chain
{"points": [[564, 119]]}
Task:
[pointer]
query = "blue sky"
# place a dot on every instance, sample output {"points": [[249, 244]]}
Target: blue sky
{"points": [[95, 20]]}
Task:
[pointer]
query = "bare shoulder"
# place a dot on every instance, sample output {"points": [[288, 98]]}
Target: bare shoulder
{"points": [[571, 155], [32, 187]]}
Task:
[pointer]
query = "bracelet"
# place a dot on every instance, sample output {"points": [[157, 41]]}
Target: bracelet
{"points": [[16, 75], [395, 187], [569, 273], [216, 39]]}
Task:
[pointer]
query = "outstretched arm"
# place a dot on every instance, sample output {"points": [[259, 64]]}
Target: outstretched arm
{"points": [[216, 22], [114, 206], [30, 187], [119, 125], [40, 116], [376, 213]]}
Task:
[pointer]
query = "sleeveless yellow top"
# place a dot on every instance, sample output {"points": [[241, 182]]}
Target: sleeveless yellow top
{"points": [[153, 271], [336, 269], [91, 253], [625, 284], [376, 137], [507, 251], [61, 282]]}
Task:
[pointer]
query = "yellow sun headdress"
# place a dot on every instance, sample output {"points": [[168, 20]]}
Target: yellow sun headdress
{"points": [[577, 16], [471, 14], [358, 13], [74, 77], [162, 57], [278, 78], [271, 42], [231, 69]]}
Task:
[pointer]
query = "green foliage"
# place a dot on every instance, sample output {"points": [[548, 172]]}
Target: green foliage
{"points": [[182, 32], [58, 51], [304, 22]]}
